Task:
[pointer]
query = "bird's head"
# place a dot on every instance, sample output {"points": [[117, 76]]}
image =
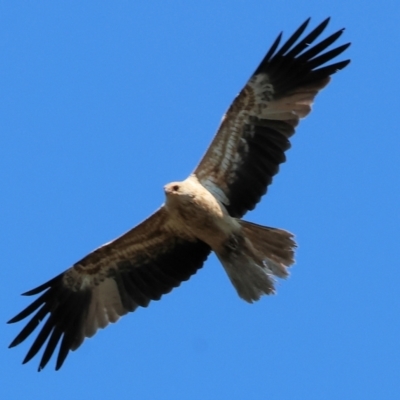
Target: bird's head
{"points": [[172, 189], [181, 192]]}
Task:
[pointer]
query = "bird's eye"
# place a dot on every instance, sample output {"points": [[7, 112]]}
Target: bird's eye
{"points": [[175, 188]]}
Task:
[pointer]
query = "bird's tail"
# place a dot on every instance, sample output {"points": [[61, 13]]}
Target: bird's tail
{"points": [[254, 256]]}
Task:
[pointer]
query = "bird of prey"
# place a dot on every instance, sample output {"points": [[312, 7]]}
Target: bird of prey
{"points": [[200, 214]]}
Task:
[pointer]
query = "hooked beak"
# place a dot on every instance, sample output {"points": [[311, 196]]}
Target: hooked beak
{"points": [[167, 189]]}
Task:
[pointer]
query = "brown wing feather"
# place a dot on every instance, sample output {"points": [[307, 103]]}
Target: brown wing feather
{"points": [[142, 265], [254, 134]]}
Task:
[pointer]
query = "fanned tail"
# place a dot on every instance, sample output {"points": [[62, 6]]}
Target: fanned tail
{"points": [[252, 259]]}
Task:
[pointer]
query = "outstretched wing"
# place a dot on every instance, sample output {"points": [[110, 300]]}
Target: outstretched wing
{"points": [[254, 134], [142, 265]]}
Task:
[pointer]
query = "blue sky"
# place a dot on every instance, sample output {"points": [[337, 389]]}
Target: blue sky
{"points": [[102, 103]]}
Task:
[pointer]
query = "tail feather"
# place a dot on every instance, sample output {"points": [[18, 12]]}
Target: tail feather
{"points": [[275, 246], [254, 256]]}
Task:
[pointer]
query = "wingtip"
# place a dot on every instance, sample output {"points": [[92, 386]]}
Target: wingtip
{"points": [[343, 64], [304, 25], [347, 45], [32, 292], [44, 286], [326, 20]]}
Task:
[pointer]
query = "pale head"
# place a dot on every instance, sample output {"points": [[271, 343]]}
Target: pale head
{"points": [[180, 191], [172, 188]]}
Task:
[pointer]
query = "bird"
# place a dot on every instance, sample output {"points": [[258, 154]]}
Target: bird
{"points": [[201, 214]]}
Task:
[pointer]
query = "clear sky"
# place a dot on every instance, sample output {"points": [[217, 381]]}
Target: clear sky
{"points": [[103, 102]]}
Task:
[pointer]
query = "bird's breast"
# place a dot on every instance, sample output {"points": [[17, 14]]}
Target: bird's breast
{"points": [[203, 217]]}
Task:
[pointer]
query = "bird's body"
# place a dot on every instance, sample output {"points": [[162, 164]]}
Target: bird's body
{"points": [[241, 247], [201, 214], [193, 210]]}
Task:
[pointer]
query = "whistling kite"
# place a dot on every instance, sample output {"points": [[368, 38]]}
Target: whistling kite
{"points": [[200, 214]]}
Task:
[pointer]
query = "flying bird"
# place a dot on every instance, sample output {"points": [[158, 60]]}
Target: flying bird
{"points": [[201, 214]]}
